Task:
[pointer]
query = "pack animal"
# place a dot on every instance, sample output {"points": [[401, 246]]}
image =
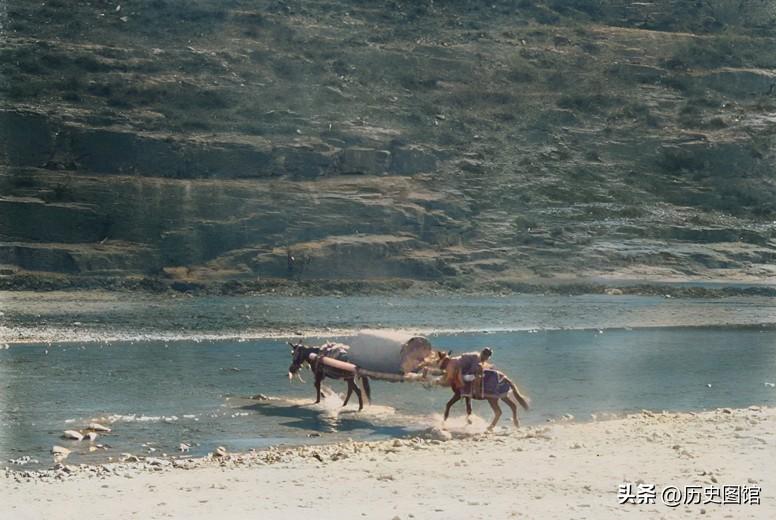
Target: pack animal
{"points": [[300, 355], [455, 375]]}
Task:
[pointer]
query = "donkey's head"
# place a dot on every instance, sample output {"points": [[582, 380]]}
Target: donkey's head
{"points": [[443, 359], [298, 358]]}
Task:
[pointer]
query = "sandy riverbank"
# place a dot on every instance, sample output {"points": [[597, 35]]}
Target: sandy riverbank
{"points": [[561, 470]]}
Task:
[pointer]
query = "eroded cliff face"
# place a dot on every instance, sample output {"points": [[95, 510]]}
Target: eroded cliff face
{"points": [[213, 140]]}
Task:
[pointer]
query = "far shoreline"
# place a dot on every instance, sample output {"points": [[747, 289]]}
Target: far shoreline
{"points": [[675, 287], [50, 336], [98, 315]]}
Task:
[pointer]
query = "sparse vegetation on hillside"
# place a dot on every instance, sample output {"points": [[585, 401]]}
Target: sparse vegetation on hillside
{"points": [[423, 140]]}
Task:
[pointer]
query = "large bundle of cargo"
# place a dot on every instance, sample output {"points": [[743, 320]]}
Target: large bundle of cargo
{"points": [[388, 356], [390, 352]]}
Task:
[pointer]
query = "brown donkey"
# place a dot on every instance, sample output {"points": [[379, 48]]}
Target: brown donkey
{"points": [[300, 355], [489, 385]]}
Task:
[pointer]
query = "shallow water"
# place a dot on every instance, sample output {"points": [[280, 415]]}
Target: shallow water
{"points": [[156, 395], [120, 315]]}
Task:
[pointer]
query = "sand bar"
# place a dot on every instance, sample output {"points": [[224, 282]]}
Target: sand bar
{"points": [[559, 470]]}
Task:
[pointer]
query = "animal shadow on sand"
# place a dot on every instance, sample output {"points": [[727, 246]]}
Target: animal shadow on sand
{"points": [[307, 418]]}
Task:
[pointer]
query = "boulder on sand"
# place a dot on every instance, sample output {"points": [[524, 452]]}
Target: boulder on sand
{"points": [[97, 427], [72, 435]]}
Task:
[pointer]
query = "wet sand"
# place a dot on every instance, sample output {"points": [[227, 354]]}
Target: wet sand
{"points": [[561, 470]]}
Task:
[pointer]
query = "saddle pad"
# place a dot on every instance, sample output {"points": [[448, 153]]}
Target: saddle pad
{"points": [[494, 384], [336, 351]]}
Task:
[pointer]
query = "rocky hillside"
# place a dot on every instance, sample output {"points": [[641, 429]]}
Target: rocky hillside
{"points": [[460, 142]]}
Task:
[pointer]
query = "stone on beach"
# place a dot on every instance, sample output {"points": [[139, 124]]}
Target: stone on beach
{"points": [[72, 435], [97, 427], [183, 447], [128, 457], [220, 452], [92, 436], [59, 450], [60, 453]]}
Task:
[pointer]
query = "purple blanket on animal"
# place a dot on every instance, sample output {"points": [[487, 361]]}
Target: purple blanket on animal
{"points": [[494, 384]]}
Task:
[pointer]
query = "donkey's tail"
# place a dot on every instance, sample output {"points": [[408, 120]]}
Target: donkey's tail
{"points": [[367, 388], [525, 402]]}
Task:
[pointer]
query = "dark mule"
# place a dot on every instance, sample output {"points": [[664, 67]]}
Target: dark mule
{"points": [[502, 385], [300, 355]]}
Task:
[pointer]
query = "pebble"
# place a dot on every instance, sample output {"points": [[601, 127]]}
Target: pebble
{"points": [[92, 436]]}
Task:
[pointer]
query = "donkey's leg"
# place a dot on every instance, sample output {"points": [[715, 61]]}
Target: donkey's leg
{"points": [[496, 412], [367, 389], [513, 406], [318, 379], [350, 392], [468, 401], [451, 402], [357, 390]]}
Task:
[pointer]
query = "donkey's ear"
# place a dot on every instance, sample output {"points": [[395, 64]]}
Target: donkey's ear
{"points": [[449, 353]]}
